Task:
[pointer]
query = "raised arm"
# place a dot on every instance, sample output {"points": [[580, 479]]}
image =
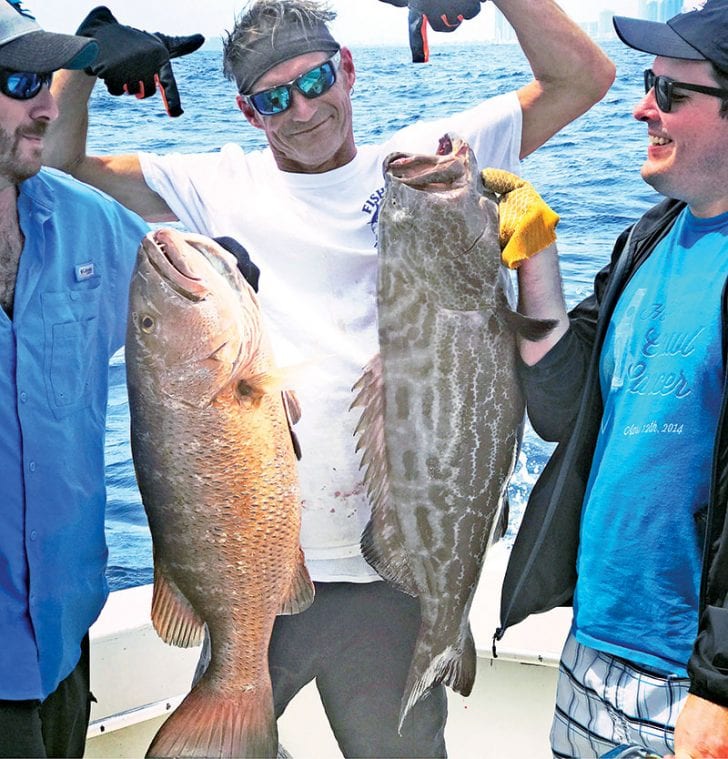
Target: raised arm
{"points": [[65, 148], [571, 72], [129, 61]]}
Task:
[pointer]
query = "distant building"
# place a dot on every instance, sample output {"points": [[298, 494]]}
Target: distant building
{"points": [[591, 28], [504, 32], [605, 28], [651, 10], [670, 8]]}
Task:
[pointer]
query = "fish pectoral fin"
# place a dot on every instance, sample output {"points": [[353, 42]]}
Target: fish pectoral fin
{"points": [[173, 617], [300, 594], [524, 326], [253, 388]]}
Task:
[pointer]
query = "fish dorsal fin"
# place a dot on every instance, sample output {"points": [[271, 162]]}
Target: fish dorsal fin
{"points": [[174, 619], [301, 593], [381, 543]]}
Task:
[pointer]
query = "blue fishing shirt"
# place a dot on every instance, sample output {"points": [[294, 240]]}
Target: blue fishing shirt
{"points": [[69, 317], [643, 522]]}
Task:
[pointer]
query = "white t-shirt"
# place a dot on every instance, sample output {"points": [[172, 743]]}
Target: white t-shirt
{"points": [[313, 236]]}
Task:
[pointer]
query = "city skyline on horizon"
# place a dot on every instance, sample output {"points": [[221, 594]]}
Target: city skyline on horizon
{"points": [[358, 22]]}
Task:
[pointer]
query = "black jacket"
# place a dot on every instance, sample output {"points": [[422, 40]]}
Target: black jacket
{"points": [[565, 405]]}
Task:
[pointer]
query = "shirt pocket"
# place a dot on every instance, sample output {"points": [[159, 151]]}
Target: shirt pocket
{"points": [[71, 324]]}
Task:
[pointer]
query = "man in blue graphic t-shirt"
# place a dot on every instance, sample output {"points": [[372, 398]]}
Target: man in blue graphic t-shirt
{"points": [[628, 521]]}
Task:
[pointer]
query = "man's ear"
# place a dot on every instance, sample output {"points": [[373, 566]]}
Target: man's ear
{"points": [[347, 64], [249, 112]]}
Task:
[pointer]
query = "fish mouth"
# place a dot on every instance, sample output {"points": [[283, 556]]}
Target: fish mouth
{"points": [[169, 255], [447, 169]]}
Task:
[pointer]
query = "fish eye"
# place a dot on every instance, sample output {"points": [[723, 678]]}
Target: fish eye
{"points": [[147, 323]]}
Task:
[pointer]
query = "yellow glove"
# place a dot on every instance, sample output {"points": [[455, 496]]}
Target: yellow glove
{"points": [[527, 224]]}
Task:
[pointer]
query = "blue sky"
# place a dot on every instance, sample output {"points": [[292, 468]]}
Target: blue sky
{"points": [[358, 22]]}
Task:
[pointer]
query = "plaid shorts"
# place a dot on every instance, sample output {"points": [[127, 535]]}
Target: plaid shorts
{"points": [[604, 702]]}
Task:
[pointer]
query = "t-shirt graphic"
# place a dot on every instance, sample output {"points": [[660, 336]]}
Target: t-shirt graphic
{"points": [[661, 373]]}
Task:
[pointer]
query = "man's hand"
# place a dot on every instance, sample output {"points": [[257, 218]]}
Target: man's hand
{"points": [[135, 62], [527, 224], [701, 730], [446, 15], [247, 268]]}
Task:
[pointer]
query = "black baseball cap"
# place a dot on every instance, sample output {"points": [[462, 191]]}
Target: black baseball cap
{"points": [[698, 35], [24, 46]]}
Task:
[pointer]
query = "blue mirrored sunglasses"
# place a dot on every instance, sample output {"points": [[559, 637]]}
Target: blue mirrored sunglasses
{"points": [[23, 85], [664, 89], [311, 84]]}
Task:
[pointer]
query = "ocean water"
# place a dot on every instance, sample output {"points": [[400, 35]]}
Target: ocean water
{"points": [[588, 173]]}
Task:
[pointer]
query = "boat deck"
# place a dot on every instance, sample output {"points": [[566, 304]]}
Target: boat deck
{"points": [[138, 680]]}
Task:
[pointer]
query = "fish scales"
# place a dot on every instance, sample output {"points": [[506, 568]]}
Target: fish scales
{"points": [[216, 469], [443, 407]]}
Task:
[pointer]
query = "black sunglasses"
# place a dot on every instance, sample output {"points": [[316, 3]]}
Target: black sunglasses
{"points": [[311, 84], [23, 85], [664, 87]]}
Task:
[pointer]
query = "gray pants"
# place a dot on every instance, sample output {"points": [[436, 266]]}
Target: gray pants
{"points": [[55, 727], [356, 641]]}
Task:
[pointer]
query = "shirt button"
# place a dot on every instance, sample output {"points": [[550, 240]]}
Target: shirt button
{"points": [[33, 534], [31, 466], [23, 397]]}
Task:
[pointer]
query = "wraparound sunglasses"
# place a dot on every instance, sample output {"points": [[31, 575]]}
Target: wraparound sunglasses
{"points": [[311, 84], [23, 85]]}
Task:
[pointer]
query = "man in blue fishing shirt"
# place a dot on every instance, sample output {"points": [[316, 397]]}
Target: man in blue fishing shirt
{"points": [[66, 255], [628, 522], [306, 208]]}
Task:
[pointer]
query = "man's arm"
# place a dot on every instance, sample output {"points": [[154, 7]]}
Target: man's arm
{"points": [[571, 72], [527, 235], [701, 729], [540, 296], [65, 148]]}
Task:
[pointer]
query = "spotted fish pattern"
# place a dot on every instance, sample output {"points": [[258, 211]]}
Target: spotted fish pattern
{"points": [[443, 410]]}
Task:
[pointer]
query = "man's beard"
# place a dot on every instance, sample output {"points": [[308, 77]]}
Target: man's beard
{"points": [[16, 167]]}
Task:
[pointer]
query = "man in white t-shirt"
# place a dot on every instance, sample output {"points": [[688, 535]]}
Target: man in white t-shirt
{"points": [[306, 209]]}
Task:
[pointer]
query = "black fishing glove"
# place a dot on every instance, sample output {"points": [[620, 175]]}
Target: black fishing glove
{"points": [[446, 15], [247, 268], [136, 62]]}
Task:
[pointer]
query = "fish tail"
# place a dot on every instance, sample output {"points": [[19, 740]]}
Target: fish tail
{"points": [[454, 667], [211, 723]]}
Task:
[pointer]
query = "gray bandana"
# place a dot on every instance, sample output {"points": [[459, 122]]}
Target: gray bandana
{"points": [[292, 38]]}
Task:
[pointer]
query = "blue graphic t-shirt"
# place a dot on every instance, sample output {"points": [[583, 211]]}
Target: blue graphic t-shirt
{"points": [[661, 377]]}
